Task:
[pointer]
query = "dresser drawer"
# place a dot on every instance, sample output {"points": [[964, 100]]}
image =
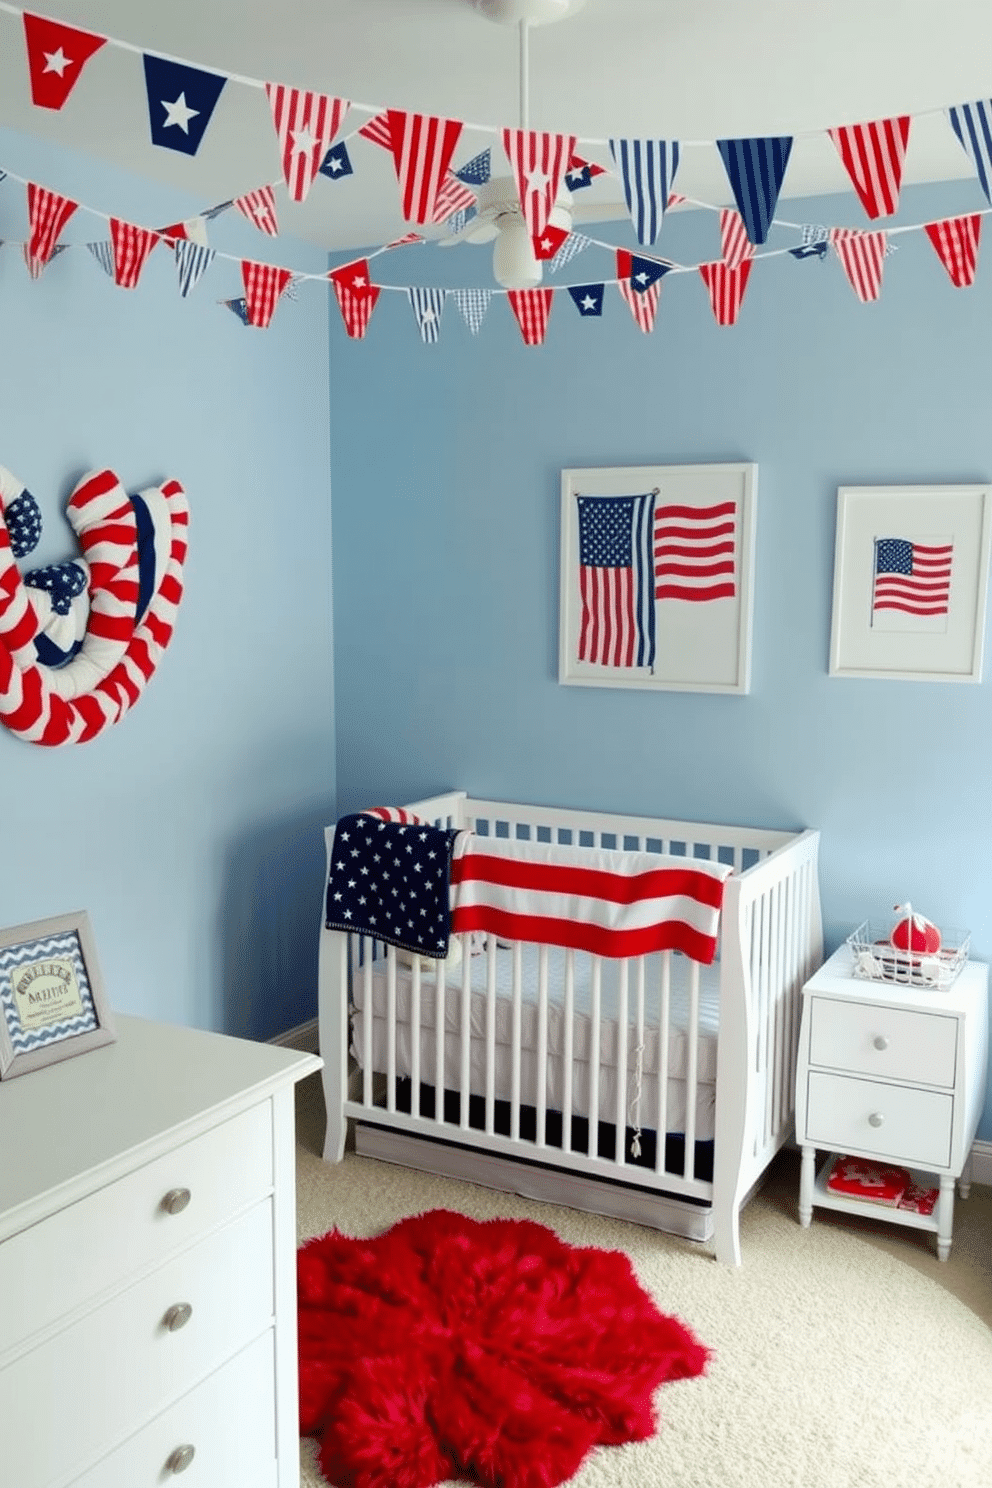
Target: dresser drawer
{"points": [[915, 1125], [90, 1246], [229, 1421], [105, 1375], [894, 1043]]}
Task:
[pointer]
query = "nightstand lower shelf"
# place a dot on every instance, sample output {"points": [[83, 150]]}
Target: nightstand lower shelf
{"points": [[847, 1204]]}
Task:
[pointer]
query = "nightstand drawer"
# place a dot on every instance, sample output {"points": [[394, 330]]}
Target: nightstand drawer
{"points": [[843, 1113], [895, 1043]]}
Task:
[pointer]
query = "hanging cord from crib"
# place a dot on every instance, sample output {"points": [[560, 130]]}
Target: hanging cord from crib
{"points": [[634, 1109]]}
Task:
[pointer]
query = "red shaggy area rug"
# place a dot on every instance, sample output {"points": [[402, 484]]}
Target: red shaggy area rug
{"points": [[492, 1352]]}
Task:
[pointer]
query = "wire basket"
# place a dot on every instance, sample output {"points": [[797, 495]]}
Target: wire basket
{"points": [[876, 959]]}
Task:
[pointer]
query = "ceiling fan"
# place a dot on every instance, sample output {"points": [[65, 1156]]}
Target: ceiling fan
{"points": [[499, 218]]}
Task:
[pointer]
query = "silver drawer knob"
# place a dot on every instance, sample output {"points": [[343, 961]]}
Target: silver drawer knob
{"points": [[179, 1460], [876, 1118], [881, 1042], [177, 1316], [175, 1200]]}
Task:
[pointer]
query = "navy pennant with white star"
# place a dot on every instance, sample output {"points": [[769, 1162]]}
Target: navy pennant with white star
{"points": [[588, 298], [181, 100], [336, 163], [390, 880], [645, 271]]}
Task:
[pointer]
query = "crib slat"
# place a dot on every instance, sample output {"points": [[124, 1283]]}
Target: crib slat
{"points": [[635, 1114], [440, 1013], [542, 1046], [415, 1037], [367, 949], [664, 1025], [491, 1035], [594, 1054], [567, 1052], [691, 1073], [623, 1054], [515, 1037], [390, 1028], [465, 1081]]}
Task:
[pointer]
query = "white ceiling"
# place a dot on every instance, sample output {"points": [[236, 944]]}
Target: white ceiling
{"points": [[692, 70]]}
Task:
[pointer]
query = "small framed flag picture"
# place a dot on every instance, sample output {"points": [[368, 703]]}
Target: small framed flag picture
{"points": [[910, 582], [657, 565], [52, 1004]]}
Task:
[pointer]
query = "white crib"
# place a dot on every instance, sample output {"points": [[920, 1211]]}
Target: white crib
{"points": [[558, 1065]]}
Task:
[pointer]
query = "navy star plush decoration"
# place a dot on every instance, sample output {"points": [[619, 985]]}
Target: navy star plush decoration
{"points": [[23, 517], [63, 581], [390, 880]]}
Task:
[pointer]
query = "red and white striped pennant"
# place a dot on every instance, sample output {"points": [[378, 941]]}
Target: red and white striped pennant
{"points": [[259, 207], [532, 307], [263, 283], [726, 287], [873, 156], [48, 214], [132, 246], [306, 123], [862, 255], [453, 196], [955, 241], [643, 304], [735, 245], [539, 161], [422, 149], [377, 130], [356, 296]]}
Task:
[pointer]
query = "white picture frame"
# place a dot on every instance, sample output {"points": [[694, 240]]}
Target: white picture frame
{"points": [[52, 1002], [910, 584], [687, 631]]}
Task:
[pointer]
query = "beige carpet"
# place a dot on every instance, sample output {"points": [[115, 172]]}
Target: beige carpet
{"points": [[841, 1357]]}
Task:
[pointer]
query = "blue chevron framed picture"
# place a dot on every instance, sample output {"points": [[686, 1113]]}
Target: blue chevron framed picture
{"points": [[52, 1003]]}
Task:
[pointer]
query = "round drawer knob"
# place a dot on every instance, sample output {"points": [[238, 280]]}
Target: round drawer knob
{"points": [[876, 1118], [881, 1042], [177, 1316], [175, 1200], [179, 1460]]}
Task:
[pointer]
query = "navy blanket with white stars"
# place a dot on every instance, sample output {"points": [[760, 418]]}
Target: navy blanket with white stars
{"points": [[391, 880]]}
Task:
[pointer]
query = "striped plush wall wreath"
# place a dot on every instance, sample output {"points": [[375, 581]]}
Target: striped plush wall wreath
{"points": [[80, 639]]}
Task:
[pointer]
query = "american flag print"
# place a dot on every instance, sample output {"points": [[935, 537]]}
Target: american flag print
{"points": [[609, 903], [476, 172], [695, 551], [356, 296], [539, 163], [756, 170], [305, 123], [617, 627], [259, 206], [48, 214], [263, 283], [912, 577], [862, 255], [647, 168], [972, 123], [643, 304], [531, 307], [726, 287], [453, 196], [132, 246], [955, 241], [422, 148], [735, 245], [57, 55], [391, 879], [873, 156]]}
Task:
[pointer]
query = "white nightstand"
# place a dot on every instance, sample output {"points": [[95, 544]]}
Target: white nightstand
{"points": [[893, 1073]]}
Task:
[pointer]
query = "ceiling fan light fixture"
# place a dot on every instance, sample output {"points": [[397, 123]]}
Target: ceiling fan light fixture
{"points": [[514, 263], [530, 12]]}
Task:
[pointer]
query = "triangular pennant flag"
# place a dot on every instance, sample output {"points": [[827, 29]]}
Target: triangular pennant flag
{"points": [[756, 169], [132, 246], [181, 100], [193, 230], [547, 243], [873, 157], [735, 245], [238, 307], [588, 298], [306, 123], [810, 250], [192, 262], [726, 288], [675, 200], [263, 283], [104, 255], [972, 123], [476, 172], [48, 214], [210, 212], [458, 221], [57, 55], [648, 169], [581, 172], [356, 296], [643, 304], [336, 163], [531, 308], [862, 255], [422, 149], [641, 272], [955, 241], [452, 197], [472, 306], [539, 162], [573, 245], [260, 208], [427, 307], [377, 131], [410, 237]]}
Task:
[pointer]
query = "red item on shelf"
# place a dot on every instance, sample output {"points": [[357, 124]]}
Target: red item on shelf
{"points": [[919, 1200], [878, 1183]]}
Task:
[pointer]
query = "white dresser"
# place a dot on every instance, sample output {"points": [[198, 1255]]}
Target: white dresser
{"points": [[892, 1073], [148, 1264]]}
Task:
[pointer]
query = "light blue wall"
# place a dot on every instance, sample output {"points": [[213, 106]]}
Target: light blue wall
{"points": [[446, 464], [190, 831]]}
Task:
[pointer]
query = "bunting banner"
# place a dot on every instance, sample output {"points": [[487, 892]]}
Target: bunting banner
{"points": [[422, 148], [263, 283], [104, 255], [756, 170], [192, 262], [735, 245], [452, 196], [726, 286], [181, 101], [336, 164], [955, 242], [259, 207], [532, 307], [588, 298], [862, 255], [377, 131], [427, 307], [477, 171], [57, 55], [647, 168], [305, 123], [643, 303], [356, 296], [972, 123], [193, 230], [642, 272], [472, 306], [873, 156], [548, 243], [48, 214], [539, 162], [132, 246], [572, 246]]}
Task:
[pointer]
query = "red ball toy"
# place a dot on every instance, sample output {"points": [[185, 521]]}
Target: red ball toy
{"points": [[915, 933]]}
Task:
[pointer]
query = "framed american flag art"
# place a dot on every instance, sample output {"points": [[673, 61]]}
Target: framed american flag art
{"points": [[910, 582], [657, 567]]}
